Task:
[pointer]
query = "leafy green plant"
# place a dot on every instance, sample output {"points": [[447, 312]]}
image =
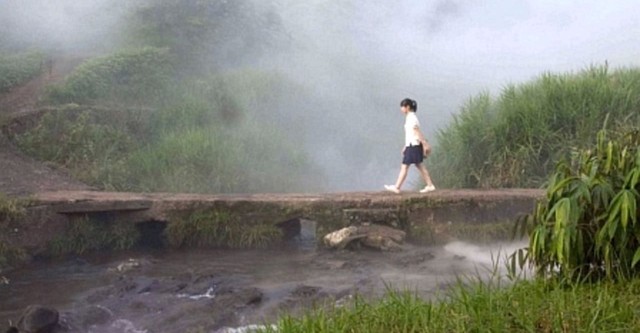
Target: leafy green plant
{"points": [[588, 223]]}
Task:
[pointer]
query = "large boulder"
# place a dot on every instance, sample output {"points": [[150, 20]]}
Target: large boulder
{"points": [[38, 319], [371, 235]]}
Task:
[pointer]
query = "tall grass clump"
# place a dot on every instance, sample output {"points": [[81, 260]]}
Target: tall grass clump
{"points": [[135, 77], [527, 306], [587, 225], [16, 69], [12, 210], [85, 235], [516, 139], [211, 228], [93, 150]]}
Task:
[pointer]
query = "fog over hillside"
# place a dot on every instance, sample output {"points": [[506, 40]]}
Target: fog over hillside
{"points": [[360, 58]]}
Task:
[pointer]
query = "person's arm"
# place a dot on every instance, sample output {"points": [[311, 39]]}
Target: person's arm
{"points": [[418, 134], [425, 144]]}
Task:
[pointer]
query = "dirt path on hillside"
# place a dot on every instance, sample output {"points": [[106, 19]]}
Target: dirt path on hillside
{"points": [[20, 174]]}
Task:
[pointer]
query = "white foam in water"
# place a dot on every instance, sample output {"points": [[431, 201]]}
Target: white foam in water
{"points": [[489, 255], [247, 329], [125, 326], [208, 295]]}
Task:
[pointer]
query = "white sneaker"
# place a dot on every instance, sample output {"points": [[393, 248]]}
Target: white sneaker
{"points": [[392, 188], [428, 188]]}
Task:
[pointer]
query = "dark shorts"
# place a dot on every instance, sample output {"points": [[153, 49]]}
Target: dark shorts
{"points": [[413, 155]]}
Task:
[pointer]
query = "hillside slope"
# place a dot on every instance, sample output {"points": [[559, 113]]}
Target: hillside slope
{"points": [[20, 174]]}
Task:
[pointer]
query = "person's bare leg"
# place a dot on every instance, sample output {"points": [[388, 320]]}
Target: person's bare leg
{"points": [[402, 175], [425, 174]]}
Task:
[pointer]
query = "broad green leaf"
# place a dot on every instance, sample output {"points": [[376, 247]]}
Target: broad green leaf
{"points": [[623, 158], [636, 258], [607, 167]]}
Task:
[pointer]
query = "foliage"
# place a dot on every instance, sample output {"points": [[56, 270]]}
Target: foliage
{"points": [[10, 255], [135, 77], [588, 223], [205, 138], [516, 139], [11, 208], [16, 69], [215, 228], [205, 35], [527, 306], [76, 139], [85, 234]]}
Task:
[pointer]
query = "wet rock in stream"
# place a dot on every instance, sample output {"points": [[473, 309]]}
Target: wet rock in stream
{"points": [[370, 235], [38, 319]]}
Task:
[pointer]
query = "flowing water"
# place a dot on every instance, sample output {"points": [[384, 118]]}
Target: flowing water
{"points": [[206, 290]]}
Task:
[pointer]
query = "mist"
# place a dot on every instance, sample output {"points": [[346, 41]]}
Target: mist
{"points": [[358, 59]]}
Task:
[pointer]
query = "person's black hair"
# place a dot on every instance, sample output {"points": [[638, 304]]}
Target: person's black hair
{"points": [[413, 105]]}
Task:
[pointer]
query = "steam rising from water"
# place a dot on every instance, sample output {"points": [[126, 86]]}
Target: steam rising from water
{"points": [[360, 58]]}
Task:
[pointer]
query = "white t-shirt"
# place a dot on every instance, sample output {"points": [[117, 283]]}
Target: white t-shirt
{"points": [[411, 122]]}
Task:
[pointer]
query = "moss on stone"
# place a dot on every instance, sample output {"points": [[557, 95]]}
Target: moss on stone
{"points": [[482, 232], [440, 233]]}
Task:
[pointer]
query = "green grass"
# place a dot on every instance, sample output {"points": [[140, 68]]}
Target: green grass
{"points": [[526, 306], [11, 211], [515, 139], [11, 208], [16, 69], [212, 228], [207, 135], [134, 77], [85, 235]]}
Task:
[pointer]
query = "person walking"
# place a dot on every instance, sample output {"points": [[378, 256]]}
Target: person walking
{"points": [[416, 148]]}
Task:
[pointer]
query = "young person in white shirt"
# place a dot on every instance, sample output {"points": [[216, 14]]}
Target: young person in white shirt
{"points": [[416, 148]]}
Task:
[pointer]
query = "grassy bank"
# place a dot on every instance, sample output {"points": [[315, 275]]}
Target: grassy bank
{"points": [[516, 138], [526, 306], [16, 69], [122, 124]]}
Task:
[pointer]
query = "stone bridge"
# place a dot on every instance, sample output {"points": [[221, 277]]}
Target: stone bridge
{"points": [[480, 215]]}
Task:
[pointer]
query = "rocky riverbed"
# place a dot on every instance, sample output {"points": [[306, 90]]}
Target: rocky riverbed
{"points": [[209, 290]]}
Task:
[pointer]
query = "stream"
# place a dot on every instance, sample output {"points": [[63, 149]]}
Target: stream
{"points": [[209, 290]]}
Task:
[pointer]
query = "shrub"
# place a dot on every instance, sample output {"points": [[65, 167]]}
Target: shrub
{"points": [[138, 77], [588, 223], [516, 139], [18, 68], [76, 140]]}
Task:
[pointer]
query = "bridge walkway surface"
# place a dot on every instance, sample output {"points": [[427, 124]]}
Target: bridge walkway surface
{"points": [[432, 218]]}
